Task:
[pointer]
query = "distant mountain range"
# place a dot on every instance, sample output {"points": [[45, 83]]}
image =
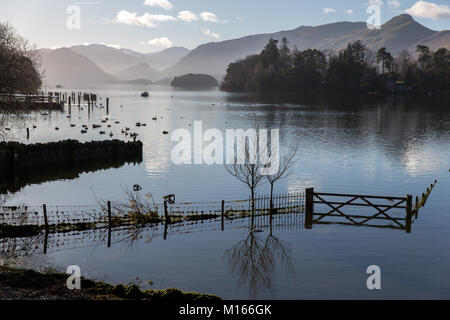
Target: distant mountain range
{"points": [[401, 32], [105, 64], [66, 66], [110, 64]]}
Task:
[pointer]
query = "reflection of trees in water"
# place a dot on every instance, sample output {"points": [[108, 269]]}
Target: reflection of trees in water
{"points": [[132, 235], [254, 260], [392, 125]]}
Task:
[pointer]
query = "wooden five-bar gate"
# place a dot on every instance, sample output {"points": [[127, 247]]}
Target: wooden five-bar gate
{"points": [[371, 211]]}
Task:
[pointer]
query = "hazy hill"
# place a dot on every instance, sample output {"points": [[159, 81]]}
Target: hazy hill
{"points": [[66, 66], [437, 40], [401, 32], [165, 58], [139, 71], [114, 60], [111, 60]]}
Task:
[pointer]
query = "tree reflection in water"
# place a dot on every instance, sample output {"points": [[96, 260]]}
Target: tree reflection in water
{"points": [[254, 260]]}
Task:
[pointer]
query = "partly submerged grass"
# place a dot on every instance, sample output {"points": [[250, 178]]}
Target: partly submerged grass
{"points": [[30, 284]]}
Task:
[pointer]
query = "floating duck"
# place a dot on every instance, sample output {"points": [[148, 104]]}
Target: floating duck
{"points": [[83, 131], [56, 128], [72, 125], [165, 132]]}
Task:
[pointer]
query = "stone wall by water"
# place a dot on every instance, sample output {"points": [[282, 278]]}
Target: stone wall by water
{"points": [[16, 156]]}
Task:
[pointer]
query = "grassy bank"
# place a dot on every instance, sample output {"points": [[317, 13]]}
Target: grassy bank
{"points": [[16, 284]]}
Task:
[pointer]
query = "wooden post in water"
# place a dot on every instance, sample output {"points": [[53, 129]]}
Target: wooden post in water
{"points": [[45, 242], [408, 213], [309, 210], [44, 209], [107, 105], [166, 220], [222, 215], [109, 224], [417, 206]]}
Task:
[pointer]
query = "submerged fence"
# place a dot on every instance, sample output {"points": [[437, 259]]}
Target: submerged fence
{"points": [[28, 230], [319, 208], [44, 243], [20, 220]]}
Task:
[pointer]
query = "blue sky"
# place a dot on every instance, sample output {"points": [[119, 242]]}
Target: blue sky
{"points": [[151, 27]]}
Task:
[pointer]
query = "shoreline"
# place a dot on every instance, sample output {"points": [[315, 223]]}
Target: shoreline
{"points": [[22, 284]]}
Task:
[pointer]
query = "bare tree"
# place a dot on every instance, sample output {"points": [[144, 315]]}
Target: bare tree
{"points": [[286, 163], [246, 166]]}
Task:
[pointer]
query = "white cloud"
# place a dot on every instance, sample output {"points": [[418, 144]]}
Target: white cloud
{"points": [[328, 10], [349, 12], [393, 3], [159, 3], [211, 34], [159, 42], [187, 16], [147, 19], [209, 16], [423, 9]]}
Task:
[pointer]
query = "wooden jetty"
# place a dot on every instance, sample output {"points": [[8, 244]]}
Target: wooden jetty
{"points": [[37, 102]]}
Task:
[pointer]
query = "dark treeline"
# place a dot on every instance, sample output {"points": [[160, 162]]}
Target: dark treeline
{"points": [[19, 63], [355, 69]]}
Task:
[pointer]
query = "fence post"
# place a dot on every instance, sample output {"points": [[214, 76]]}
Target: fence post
{"points": [[44, 209], [222, 215], [309, 210], [408, 213], [166, 220], [109, 224], [45, 242]]}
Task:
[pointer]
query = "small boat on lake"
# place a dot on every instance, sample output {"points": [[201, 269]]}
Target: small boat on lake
{"points": [[145, 94]]}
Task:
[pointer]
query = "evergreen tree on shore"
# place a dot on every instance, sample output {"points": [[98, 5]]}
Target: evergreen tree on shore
{"points": [[355, 69]]}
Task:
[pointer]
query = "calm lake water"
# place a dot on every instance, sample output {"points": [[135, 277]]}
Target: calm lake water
{"points": [[394, 146]]}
